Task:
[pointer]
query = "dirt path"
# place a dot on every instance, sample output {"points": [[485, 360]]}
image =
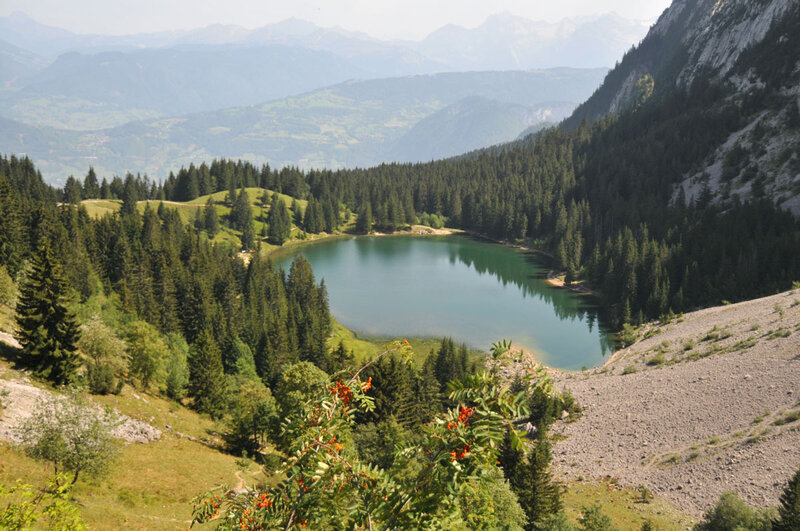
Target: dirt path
{"points": [[707, 406]]}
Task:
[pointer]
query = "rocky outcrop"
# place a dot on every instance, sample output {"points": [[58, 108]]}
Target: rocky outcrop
{"points": [[752, 49]]}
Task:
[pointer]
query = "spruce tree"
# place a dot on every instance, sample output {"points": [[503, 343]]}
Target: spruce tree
{"points": [[242, 218], [46, 329], [129, 196], [280, 224], [11, 235], [789, 510], [538, 494], [297, 213], [210, 218], [206, 376], [364, 220], [91, 188]]}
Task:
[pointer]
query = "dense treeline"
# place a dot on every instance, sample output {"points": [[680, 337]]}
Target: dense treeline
{"points": [[166, 274], [600, 199]]}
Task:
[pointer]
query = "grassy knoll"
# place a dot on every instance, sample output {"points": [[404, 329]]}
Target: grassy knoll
{"points": [[188, 211]]}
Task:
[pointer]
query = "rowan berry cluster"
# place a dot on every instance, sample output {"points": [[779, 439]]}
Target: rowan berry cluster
{"points": [[342, 391], [456, 454], [463, 418]]}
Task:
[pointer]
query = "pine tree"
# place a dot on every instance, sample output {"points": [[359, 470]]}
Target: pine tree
{"points": [[364, 220], [210, 218], [538, 494], [91, 188], [206, 376], [129, 196], [11, 235], [510, 458], [789, 510], [297, 213], [242, 218], [47, 331], [280, 224], [72, 191]]}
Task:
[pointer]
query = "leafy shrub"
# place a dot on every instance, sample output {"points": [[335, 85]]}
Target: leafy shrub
{"points": [[326, 483], [630, 369], [73, 436], [732, 514], [658, 359], [24, 506], [628, 336]]}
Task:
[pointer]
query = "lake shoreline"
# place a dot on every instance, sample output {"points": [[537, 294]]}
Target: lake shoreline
{"points": [[525, 271], [552, 277]]}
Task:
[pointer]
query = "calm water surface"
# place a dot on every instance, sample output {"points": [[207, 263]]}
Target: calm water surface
{"points": [[473, 291]]}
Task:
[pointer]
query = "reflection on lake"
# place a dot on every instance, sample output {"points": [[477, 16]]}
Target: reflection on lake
{"points": [[457, 286]]}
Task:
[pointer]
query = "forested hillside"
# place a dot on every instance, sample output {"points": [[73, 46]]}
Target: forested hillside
{"points": [[747, 51]]}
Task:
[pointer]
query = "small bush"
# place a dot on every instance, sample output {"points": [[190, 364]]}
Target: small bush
{"points": [[628, 336], [732, 514], [779, 333], [717, 334], [630, 369], [794, 416], [658, 359], [645, 496], [688, 345]]}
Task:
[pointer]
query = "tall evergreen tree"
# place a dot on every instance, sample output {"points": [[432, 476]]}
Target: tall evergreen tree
{"points": [[280, 224], [72, 191], [47, 331], [789, 510], [210, 218], [11, 237], [91, 188], [539, 496], [206, 376], [364, 220], [130, 195], [242, 217], [297, 213]]}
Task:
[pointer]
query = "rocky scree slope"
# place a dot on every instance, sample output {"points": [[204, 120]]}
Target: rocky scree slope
{"points": [[705, 404], [752, 49]]}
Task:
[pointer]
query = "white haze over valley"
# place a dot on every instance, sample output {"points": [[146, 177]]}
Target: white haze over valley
{"points": [[152, 86], [384, 19]]}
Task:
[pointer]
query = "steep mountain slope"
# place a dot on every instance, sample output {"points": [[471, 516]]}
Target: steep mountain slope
{"points": [[351, 124], [750, 50]]}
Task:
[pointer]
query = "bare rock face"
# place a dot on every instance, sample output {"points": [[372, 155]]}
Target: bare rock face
{"points": [[19, 397], [718, 31], [736, 45]]}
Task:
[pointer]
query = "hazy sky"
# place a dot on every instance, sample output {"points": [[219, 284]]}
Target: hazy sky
{"points": [[410, 19]]}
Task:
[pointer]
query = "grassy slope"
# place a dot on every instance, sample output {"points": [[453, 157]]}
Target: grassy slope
{"points": [[188, 210], [623, 506], [151, 486]]}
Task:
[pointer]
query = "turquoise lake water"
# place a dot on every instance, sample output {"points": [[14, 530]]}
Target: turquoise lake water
{"points": [[457, 286]]}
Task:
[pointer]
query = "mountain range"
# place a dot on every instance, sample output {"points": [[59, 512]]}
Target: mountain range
{"points": [[356, 123]]}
